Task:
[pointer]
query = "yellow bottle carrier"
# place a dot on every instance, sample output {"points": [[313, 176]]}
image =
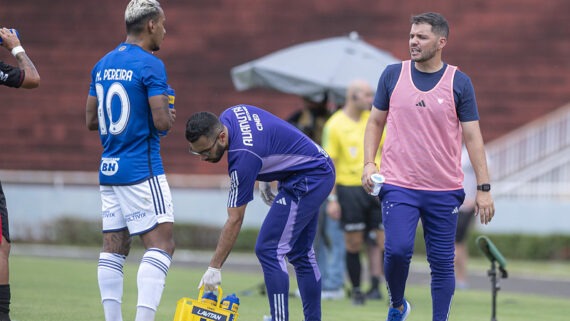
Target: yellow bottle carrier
{"points": [[205, 308]]}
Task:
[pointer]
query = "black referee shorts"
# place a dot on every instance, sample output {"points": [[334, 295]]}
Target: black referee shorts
{"points": [[359, 210], [464, 222]]}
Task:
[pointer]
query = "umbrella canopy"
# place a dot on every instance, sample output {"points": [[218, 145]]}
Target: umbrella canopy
{"points": [[313, 69]]}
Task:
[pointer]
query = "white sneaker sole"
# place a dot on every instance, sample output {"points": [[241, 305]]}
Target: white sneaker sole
{"points": [[408, 309]]}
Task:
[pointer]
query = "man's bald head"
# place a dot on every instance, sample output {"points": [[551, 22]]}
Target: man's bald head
{"points": [[360, 93]]}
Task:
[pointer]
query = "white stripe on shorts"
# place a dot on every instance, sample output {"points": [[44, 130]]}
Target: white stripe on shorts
{"points": [[157, 197], [138, 207]]}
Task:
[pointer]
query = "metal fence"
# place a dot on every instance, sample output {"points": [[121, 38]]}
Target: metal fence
{"points": [[534, 160]]}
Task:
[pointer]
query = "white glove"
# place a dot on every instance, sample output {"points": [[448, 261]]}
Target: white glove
{"points": [[266, 194], [211, 279]]}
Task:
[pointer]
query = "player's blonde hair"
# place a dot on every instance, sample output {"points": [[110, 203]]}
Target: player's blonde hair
{"points": [[140, 10]]}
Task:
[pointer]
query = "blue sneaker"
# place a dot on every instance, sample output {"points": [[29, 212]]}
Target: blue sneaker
{"points": [[395, 314]]}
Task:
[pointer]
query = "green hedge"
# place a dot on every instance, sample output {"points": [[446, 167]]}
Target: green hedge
{"points": [[74, 231], [189, 236], [516, 246]]}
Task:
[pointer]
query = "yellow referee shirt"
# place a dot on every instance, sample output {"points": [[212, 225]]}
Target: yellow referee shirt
{"points": [[343, 139]]}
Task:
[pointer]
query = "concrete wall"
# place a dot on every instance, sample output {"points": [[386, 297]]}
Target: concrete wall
{"points": [[30, 206]]}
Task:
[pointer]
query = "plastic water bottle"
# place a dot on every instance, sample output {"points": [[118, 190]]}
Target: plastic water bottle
{"points": [[12, 31], [171, 99], [231, 302], [210, 298], [378, 182]]}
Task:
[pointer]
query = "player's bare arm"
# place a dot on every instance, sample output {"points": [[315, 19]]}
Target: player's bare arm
{"points": [[333, 207], [484, 205], [228, 237], [31, 75], [163, 117], [372, 137], [91, 120]]}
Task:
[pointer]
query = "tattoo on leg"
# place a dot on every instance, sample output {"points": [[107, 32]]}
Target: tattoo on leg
{"points": [[117, 242]]}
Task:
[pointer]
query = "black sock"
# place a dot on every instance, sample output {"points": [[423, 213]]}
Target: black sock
{"points": [[5, 298], [375, 282], [354, 268]]}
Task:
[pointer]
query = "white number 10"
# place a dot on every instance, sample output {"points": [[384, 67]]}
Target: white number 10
{"points": [[117, 127]]}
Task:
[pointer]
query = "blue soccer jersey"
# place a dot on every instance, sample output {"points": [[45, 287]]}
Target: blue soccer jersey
{"points": [[266, 148], [123, 81]]}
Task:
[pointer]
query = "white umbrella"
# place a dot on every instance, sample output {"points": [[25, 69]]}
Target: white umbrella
{"points": [[314, 68]]}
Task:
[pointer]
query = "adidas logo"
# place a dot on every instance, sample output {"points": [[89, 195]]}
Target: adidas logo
{"points": [[281, 201], [421, 104], [455, 211]]}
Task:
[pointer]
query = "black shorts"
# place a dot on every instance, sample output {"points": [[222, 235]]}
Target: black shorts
{"points": [[4, 216], [359, 210], [464, 221]]}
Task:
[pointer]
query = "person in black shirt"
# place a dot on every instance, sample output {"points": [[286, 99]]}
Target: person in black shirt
{"points": [[24, 75]]}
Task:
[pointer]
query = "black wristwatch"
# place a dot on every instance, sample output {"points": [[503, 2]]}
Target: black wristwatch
{"points": [[484, 187]]}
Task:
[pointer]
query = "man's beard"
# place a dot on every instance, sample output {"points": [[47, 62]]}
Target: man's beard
{"points": [[216, 158], [429, 54]]}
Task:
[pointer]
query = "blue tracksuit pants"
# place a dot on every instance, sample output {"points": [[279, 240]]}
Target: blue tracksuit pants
{"points": [[402, 209], [288, 232]]}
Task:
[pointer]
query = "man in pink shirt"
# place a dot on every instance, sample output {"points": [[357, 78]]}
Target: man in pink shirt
{"points": [[429, 107]]}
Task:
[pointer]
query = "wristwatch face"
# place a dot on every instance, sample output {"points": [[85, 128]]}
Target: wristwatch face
{"points": [[484, 187]]}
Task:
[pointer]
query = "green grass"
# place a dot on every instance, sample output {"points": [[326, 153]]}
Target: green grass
{"points": [[66, 290], [550, 269], [526, 268]]}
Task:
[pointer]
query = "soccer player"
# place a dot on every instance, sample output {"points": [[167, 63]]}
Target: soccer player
{"points": [[359, 213], [266, 148], [427, 106], [128, 104], [23, 76]]}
